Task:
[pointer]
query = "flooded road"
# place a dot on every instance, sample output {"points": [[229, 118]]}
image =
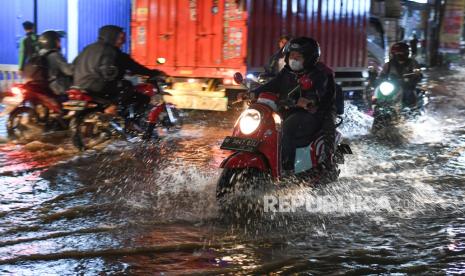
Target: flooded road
{"points": [[150, 209]]}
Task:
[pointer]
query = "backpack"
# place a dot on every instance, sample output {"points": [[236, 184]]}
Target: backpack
{"points": [[36, 67]]}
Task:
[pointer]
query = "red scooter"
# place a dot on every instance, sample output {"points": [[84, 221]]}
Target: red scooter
{"points": [[35, 107], [256, 146]]}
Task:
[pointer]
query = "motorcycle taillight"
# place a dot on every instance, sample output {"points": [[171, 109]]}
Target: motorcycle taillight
{"points": [[16, 91], [78, 95], [15, 95], [147, 89]]}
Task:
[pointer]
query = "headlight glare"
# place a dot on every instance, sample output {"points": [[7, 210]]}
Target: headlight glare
{"points": [[250, 120], [386, 88]]}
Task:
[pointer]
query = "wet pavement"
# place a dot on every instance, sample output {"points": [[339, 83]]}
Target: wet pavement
{"points": [[150, 209]]}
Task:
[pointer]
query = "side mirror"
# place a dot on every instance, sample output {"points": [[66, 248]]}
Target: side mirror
{"points": [[161, 60], [238, 78]]}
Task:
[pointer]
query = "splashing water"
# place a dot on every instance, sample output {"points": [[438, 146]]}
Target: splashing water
{"points": [[394, 209], [356, 123]]}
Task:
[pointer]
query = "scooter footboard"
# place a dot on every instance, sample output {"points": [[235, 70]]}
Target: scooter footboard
{"points": [[241, 160]]}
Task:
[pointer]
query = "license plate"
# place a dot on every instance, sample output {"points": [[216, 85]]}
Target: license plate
{"points": [[240, 144]]}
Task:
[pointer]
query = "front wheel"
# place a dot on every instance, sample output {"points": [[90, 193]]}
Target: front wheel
{"points": [[233, 181], [240, 192], [383, 119], [173, 120], [23, 122]]}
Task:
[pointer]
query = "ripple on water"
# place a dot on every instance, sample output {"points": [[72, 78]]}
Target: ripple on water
{"points": [[395, 209]]}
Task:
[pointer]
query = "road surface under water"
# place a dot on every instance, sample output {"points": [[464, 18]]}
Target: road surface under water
{"points": [[150, 209]]}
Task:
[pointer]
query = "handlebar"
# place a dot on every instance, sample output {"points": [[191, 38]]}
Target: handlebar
{"points": [[409, 75]]}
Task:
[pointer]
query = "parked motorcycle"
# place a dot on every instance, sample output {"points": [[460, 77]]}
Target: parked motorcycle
{"points": [[36, 109], [388, 103], [256, 148]]}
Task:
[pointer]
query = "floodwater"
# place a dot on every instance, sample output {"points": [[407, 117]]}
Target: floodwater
{"points": [[150, 209]]}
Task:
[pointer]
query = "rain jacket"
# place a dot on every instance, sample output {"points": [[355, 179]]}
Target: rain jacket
{"points": [[323, 94], [59, 72], [397, 70], [95, 67], [102, 65]]}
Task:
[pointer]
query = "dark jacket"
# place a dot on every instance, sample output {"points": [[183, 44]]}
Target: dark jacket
{"points": [[101, 65], [59, 71], [28, 47], [396, 70], [95, 67], [125, 64], [323, 94]]}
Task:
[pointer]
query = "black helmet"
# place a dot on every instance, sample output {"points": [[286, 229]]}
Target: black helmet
{"points": [[400, 51], [48, 39], [307, 46]]}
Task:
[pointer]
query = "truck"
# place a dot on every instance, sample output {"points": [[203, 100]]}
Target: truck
{"points": [[200, 44]]}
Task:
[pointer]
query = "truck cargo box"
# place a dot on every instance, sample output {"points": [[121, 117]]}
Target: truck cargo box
{"points": [[212, 39]]}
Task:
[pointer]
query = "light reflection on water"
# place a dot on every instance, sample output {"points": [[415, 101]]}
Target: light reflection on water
{"points": [[164, 195]]}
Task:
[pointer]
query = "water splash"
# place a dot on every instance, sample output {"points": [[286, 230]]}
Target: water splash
{"points": [[356, 122]]}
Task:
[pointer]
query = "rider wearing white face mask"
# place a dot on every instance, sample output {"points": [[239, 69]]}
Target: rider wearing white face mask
{"points": [[314, 108]]}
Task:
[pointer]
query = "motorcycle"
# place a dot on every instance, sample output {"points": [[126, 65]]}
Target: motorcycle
{"points": [[36, 109], [162, 114], [90, 125], [256, 148], [389, 104]]}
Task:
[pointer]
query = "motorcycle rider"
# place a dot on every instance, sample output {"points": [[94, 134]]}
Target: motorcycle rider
{"points": [[315, 108], [28, 45], [59, 72], [100, 67], [399, 64], [276, 62]]}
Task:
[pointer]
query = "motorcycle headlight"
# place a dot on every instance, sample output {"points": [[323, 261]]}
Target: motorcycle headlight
{"points": [[386, 88], [250, 120]]}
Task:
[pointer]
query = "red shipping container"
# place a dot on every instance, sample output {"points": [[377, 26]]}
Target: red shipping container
{"points": [[212, 38], [215, 38]]}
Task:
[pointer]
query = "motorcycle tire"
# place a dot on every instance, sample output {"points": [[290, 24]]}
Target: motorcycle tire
{"points": [[381, 121], [239, 193], [166, 123], [42, 112], [239, 180], [19, 127], [90, 128]]}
